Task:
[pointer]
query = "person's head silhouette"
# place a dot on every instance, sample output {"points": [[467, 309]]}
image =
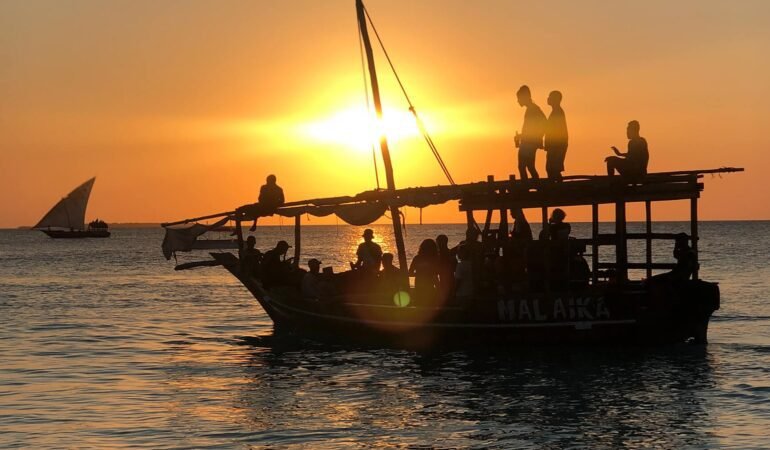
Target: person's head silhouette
{"points": [[524, 96], [557, 216], [387, 259], [271, 179], [554, 99], [633, 129]]}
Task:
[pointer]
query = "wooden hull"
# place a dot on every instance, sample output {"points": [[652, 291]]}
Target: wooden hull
{"points": [[76, 234], [605, 314]]}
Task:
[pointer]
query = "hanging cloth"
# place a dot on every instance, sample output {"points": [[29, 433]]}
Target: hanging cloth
{"points": [[180, 238]]}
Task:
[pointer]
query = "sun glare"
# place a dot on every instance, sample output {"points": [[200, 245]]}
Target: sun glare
{"points": [[358, 129]]}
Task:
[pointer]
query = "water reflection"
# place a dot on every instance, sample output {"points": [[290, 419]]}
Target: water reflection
{"points": [[546, 397]]}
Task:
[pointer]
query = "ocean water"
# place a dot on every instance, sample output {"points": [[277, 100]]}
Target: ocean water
{"points": [[104, 345]]}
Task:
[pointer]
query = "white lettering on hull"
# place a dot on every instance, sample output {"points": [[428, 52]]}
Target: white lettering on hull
{"points": [[544, 310]]}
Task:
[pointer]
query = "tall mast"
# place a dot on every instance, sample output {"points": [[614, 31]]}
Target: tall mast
{"points": [[383, 140]]}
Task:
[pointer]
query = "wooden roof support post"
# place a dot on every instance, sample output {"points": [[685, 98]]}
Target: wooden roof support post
{"points": [[621, 249], [694, 234], [470, 221], [502, 231], [488, 220], [595, 243], [394, 213], [297, 239], [239, 235], [648, 240]]}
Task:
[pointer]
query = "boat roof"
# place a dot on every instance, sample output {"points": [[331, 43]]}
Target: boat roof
{"points": [[577, 190], [574, 190]]}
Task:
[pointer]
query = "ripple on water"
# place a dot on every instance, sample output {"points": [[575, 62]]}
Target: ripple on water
{"points": [[104, 346]]}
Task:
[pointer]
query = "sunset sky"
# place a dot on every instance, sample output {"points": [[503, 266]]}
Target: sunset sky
{"points": [[182, 108]]}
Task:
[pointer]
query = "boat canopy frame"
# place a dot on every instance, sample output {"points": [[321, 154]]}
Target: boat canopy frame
{"points": [[501, 196]]}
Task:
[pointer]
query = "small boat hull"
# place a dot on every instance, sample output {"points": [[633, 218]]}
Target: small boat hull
{"points": [[635, 314], [76, 234]]}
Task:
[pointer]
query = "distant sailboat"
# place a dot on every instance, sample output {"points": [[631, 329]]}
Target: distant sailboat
{"points": [[67, 218]]}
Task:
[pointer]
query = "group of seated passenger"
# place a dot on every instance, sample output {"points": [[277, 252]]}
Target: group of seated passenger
{"points": [[444, 274], [512, 262], [272, 267]]}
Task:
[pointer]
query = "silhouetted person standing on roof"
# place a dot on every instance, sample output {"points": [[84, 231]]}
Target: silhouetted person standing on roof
{"points": [[555, 141], [270, 198], [632, 164], [532, 131]]}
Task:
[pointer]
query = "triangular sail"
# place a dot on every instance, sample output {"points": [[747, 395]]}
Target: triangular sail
{"points": [[70, 212]]}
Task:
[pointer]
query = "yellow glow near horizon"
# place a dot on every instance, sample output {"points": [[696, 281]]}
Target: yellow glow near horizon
{"points": [[359, 129]]}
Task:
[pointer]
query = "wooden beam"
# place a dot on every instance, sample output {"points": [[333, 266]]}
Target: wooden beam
{"points": [[621, 249], [239, 236], [595, 243], [638, 265], [694, 234], [648, 238], [297, 240], [605, 238]]}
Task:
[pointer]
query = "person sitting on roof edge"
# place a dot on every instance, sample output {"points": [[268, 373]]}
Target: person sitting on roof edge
{"points": [[270, 198], [632, 164]]}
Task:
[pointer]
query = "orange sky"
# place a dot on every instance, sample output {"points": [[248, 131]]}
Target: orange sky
{"points": [[182, 108]]}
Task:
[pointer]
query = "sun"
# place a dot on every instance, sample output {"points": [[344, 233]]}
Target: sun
{"points": [[358, 129]]}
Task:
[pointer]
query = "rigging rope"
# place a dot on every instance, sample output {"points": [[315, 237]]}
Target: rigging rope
{"points": [[368, 105], [420, 123]]}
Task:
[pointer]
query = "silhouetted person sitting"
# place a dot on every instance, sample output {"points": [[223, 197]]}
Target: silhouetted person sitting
{"points": [[276, 269], [557, 228], [475, 253], [632, 164], [270, 198], [464, 275], [251, 258], [369, 254], [390, 276], [579, 270], [311, 281], [425, 270], [447, 262], [686, 262], [521, 230], [532, 131], [555, 141], [515, 250]]}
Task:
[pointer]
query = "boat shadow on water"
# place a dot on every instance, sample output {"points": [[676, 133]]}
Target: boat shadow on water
{"points": [[550, 396]]}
